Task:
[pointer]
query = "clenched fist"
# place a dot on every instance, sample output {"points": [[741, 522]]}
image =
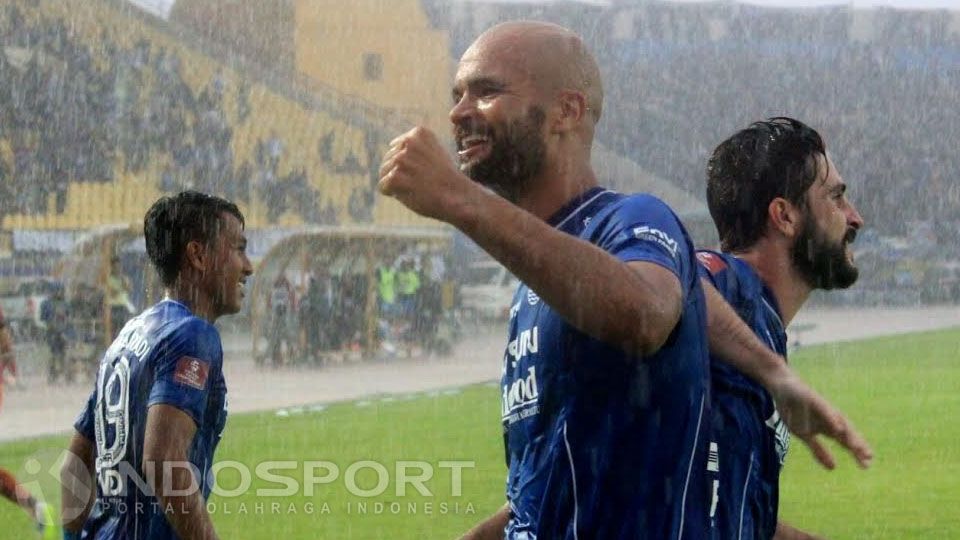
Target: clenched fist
{"points": [[419, 172]]}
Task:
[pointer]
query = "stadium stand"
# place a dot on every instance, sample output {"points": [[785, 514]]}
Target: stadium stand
{"points": [[105, 108]]}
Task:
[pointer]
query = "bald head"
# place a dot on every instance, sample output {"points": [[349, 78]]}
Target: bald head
{"points": [[554, 57]]}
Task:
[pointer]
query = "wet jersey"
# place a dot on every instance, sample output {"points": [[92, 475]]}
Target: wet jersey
{"points": [[167, 356], [599, 443], [751, 439]]}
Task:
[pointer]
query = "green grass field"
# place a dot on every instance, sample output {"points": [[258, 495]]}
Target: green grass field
{"points": [[902, 392]]}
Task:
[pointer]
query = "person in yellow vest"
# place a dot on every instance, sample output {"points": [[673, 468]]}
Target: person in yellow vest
{"points": [[408, 287], [387, 288]]}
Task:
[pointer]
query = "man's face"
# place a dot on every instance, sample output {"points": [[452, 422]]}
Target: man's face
{"points": [[497, 122], [231, 267], [822, 250]]}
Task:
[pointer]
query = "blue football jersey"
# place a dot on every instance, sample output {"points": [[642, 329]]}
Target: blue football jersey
{"points": [[168, 356], [751, 440], [601, 444]]}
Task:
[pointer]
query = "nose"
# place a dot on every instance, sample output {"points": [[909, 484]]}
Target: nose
{"points": [[462, 110], [247, 266], [854, 219]]}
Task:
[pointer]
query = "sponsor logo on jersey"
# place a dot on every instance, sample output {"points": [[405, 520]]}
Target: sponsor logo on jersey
{"points": [[527, 342], [657, 236], [781, 435], [520, 393]]}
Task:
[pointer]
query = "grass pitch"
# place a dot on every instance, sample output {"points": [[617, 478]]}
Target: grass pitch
{"points": [[397, 457]]}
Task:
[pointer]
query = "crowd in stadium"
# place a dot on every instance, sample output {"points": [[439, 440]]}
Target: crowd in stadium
{"points": [[70, 112], [680, 76]]}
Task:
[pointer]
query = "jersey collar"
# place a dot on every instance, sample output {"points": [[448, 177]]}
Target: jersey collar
{"points": [[574, 205]]}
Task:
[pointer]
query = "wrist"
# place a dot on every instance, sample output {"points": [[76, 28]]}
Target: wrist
{"points": [[776, 374], [465, 207]]}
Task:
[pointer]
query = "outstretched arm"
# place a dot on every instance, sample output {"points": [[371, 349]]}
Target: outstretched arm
{"points": [[806, 413], [634, 306]]}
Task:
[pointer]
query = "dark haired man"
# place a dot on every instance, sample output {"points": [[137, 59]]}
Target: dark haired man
{"points": [[785, 226], [153, 421], [605, 376]]}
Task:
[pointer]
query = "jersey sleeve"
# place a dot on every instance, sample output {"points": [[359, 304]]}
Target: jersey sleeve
{"points": [[185, 368], [643, 228], [84, 423]]}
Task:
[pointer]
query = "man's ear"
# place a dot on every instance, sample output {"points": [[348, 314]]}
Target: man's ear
{"points": [[196, 256], [785, 217], [572, 106]]}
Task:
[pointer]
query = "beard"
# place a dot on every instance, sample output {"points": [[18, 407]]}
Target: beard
{"points": [[516, 157], [823, 264]]}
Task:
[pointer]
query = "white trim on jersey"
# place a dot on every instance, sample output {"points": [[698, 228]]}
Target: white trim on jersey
{"points": [[581, 207], [693, 452], [573, 476], [775, 314], [743, 498]]}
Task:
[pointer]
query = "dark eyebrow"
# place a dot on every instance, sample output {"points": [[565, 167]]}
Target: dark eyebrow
{"points": [[479, 83]]}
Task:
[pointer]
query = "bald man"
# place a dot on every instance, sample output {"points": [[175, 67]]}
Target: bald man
{"points": [[605, 376]]}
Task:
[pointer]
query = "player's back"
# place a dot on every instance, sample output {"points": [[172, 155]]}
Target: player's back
{"points": [[601, 444], [164, 356], [751, 438]]}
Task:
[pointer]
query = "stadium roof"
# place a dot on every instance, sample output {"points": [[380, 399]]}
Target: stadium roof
{"points": [[900, 4]]}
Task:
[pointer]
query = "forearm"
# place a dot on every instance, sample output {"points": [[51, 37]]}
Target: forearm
{"points": [[594, 291], [733, 341], [492, 528], [77, 485], [181, 501]]}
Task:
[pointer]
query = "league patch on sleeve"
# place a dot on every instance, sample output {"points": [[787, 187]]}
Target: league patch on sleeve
{"points": [[191, 372], [711, 262]]}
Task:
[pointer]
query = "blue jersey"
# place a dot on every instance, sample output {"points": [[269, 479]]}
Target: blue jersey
{"points": [[167, 356], [751, 438], [601, 444]]}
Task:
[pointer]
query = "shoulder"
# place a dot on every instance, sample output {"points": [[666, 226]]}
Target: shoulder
{"points": [[188, 334], [645, 203]]}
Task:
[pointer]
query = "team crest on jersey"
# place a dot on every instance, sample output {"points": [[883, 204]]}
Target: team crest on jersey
{"points": [[532, 297], [191, 372]]}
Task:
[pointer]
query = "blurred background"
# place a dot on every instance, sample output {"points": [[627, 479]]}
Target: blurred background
{"points": [[286, 107]]}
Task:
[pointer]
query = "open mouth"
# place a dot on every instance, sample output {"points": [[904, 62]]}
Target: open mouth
{"points": [[472, 147]]}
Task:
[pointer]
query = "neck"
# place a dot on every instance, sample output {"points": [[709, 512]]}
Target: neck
{"points": [[556, 185], [188, 295], [775, 267]]}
